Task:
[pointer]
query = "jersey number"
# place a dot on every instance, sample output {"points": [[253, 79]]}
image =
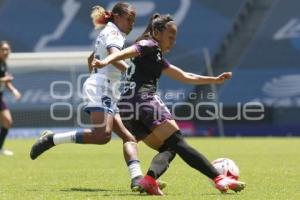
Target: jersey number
{"points": [[130, 71]]}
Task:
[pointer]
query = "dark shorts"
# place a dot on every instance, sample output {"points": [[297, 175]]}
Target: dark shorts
{"points": [[142, 113], [3, 105]]}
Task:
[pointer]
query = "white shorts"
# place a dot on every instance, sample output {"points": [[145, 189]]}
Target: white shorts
{"points": [[100, 95]]}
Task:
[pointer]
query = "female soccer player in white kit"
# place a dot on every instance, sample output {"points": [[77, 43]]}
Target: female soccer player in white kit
{"points": [[100, 91]]}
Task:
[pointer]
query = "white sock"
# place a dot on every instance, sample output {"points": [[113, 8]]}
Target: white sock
{"points": [[67, 137], [134, 169]]}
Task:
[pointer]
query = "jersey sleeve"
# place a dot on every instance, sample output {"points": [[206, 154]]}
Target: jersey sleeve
{"points": [[165, 63], [114, 39], [144, 47]]}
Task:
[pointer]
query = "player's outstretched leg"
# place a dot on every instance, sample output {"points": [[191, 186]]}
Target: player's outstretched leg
{"points": [[199, 162], [49, 139], [44, 143]]}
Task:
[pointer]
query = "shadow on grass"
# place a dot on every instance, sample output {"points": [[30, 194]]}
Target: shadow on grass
{"points": [[219, 194], [88, 190], [112, 192]]}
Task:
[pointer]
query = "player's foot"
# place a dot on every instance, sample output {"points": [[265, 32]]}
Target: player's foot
{"points": [[6, 152], [223, 183], [150, 186], [136, 187], [44, 143]]}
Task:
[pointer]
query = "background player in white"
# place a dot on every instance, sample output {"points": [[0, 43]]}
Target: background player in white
{"points": [[100, 97], [5, 81]]}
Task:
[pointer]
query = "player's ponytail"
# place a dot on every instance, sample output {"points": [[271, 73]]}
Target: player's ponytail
{"points": [[100, 16], [148, 32], [157, 23]]}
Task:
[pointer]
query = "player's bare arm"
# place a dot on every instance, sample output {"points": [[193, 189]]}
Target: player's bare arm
{"points": [[129, 52], [191, 78], [120, 64], [13, 90], [6, 78]]}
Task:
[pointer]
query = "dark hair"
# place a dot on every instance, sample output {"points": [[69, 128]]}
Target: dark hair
{"points": [[121, 8], [2, 42], [157, 22], [101, 16]]}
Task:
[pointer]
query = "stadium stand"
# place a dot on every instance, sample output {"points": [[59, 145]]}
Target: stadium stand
{"points": [[72, 31], [258, 40], [267, 71]]}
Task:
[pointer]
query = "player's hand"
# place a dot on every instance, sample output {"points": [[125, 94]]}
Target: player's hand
{"points": [[223, 77], [98, 63], [91, 58], [89, 61]]}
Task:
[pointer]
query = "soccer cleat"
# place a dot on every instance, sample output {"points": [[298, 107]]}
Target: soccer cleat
{"points": [[136, 187], [223, 183], [150, 186], [6, 152], [44, 143]]}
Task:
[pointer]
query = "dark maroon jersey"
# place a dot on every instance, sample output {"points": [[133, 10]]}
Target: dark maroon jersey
{"points": [[148, 109], [146, 68]]}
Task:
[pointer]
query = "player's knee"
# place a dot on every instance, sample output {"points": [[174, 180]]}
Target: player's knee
{"points": [[107, 138], [101, 136]]}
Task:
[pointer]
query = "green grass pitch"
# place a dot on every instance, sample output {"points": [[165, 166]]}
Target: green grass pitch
{"points": [[269, 166]]}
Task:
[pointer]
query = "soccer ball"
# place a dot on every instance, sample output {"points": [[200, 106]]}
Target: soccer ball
{"points": [[227, 167]]}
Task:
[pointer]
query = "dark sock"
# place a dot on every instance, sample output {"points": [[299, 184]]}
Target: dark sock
{"points": [[3, 135], [191, 156], [160, 162], [79, 137]]}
